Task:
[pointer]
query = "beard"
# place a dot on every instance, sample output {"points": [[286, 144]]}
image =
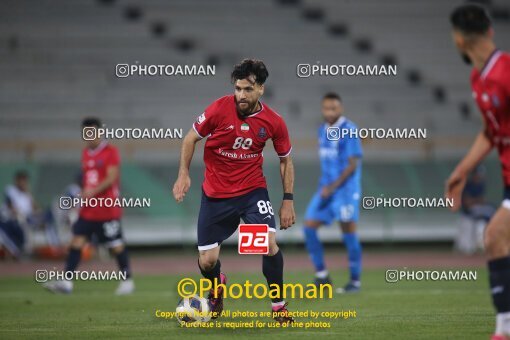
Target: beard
{"points": [[246, 109], [465, 58]]}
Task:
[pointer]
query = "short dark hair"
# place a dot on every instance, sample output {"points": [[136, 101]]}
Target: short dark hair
{"points": [[470, 19], [21, 174], [332, 95], [250, 67], [91, 121]]}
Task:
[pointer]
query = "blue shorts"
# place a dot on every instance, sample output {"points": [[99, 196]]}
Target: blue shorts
{"points": [[342, 206], [219, 217]]}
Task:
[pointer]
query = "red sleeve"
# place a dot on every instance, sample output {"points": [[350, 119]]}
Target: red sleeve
{"points": [[281, 139], [506, 85], [206, 122], [114, 158]]}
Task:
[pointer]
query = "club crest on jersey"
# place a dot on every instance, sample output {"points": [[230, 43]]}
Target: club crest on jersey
{"points": [[262, 133], [245, 127], [201, 118], [495, 100]]}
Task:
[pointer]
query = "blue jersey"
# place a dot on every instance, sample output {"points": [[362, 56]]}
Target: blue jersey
{"points": [[335, 149], [336, 146]]}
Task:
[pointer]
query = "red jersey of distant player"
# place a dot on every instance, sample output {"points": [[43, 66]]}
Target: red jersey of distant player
{"points": [[94, 169], [491, 90], [233, 150]]}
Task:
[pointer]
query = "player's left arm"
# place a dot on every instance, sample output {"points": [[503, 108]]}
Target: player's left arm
{"points": [[287, 213], [112, 173], [282, 146]]}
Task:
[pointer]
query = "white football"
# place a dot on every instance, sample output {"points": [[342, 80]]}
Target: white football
{"points": [[194, 309]]}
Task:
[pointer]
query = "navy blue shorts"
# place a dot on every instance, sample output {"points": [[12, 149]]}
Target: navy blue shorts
{"points": [[506, 193], [219, 217], [108, 232], [506, 198]]}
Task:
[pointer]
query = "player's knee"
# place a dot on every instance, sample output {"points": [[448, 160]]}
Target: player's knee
{"points": [[273, 249], [78, 242], [207, 261], [117, 249], [348, 227], [312, 224], [494, 244], [207, 265]]}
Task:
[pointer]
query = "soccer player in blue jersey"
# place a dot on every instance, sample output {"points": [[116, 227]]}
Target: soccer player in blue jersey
{"points": [[338, 194]]}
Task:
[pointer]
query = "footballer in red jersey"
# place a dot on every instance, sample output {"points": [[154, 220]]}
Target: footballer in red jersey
{"points": [[101, 173], [96, 163], [233, 153], [237, 128], [490, 81]]}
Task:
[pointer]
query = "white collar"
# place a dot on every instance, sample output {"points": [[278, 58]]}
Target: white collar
{"points": [[338, 122], [256, 113], [490, 63]]}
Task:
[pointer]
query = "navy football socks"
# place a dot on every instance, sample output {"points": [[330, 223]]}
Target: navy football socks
{"points": [[272, 267]]}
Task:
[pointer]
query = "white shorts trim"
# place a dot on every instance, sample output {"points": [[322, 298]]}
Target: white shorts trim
{"points": [[506, 203], [115, 243], [208, 246], [273, 230]]}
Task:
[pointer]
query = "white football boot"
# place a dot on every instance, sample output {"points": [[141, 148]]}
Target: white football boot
{"points": [[59, 286], [125, 287]]}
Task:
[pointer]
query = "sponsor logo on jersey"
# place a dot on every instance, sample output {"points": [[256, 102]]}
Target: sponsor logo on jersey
{"points": [[231, 127], [201, 118], [245, 127], [328, 153], [262, 133]]}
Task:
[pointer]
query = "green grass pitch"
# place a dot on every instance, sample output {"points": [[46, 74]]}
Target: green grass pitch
{"points": [[405, 310]]}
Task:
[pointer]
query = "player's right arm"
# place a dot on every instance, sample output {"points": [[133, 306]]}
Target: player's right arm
{"points": [[183, 182], [354, 153], [204, 126], [9, 204], [457, 180]]}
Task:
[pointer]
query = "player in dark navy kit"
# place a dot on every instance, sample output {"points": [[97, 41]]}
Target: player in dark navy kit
{"points": [[237, 128], [490, 82]]}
